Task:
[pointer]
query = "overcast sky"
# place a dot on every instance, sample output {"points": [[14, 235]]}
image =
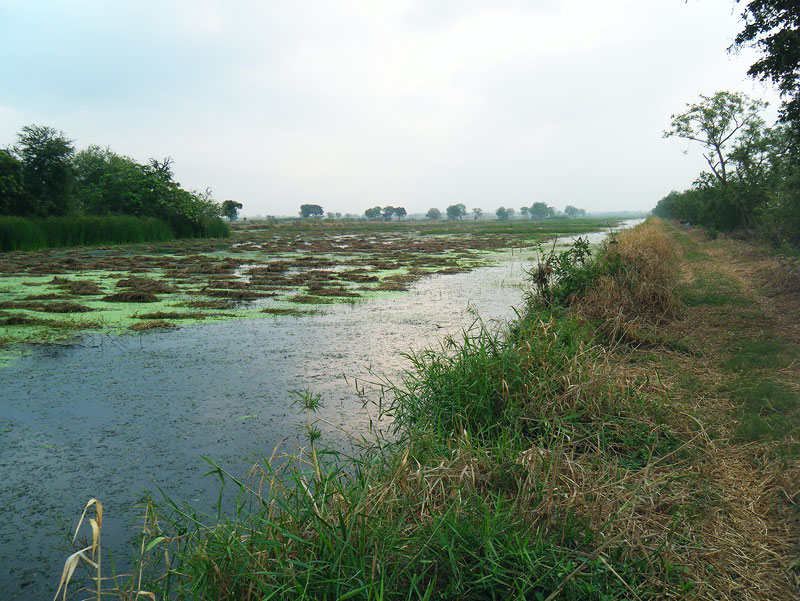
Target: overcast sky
{"points": [[351, 104]]}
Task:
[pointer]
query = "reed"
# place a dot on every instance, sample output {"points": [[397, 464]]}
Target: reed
{"points": [[18, 233]]}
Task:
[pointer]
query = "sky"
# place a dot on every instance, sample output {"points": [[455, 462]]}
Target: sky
{"points": [[351, 104]]}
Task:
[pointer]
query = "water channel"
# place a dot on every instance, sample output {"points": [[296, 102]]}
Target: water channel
{"points": [[112, 418]]}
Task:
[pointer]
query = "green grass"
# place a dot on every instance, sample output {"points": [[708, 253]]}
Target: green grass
{"points": [[767, 408], [765, 352], [19, 233], [711, 288]]}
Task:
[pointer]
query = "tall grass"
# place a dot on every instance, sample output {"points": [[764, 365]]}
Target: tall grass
{"points": [[18, 233]]}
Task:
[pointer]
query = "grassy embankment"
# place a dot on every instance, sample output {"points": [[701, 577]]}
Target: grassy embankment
{"points": [[22, 233], [633, 435]]}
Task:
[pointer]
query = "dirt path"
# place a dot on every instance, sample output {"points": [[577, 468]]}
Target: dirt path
{"points": [[740, 382]]}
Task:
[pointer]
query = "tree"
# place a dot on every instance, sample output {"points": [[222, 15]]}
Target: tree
{"points": [[12, 194], [456, 211], [502, 213], [109, 184], [387, 212], [307, 211], [571, 211], [524, 211], [46, 156], [400, 212], [477, 213], [717, 123], [230, 209], [540, 210], [373, 214], [773, 26], [433, 214], [510, 212]]}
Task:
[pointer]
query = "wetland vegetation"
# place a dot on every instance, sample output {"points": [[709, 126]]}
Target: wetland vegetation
{"points": [[261, 271]]}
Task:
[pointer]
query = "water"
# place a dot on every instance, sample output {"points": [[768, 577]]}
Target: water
{"points": [[114, 417]]}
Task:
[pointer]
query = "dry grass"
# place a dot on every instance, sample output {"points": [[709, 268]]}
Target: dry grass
{"points": [[630, 302]]}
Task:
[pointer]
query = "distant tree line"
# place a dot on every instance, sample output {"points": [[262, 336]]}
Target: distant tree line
{"points": [[385, 213], [42, 175], [753, 177], [454, 212]]}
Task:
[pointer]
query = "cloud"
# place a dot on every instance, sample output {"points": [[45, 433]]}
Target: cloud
{"points": [[355, 103]]}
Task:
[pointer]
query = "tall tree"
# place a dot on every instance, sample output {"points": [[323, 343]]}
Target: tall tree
{"points": [[433, 214], [717, 123], [400, 212], [46, 155]]}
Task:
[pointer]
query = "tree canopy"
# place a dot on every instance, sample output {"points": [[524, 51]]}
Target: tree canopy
{"points": [[230, 209], [433, 214], [456, 211], [41, 175], [46, 156], [718, 123], [309, 210], [773, 27]]}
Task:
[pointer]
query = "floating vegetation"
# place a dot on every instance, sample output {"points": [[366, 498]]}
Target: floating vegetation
{"points": [[146, 284], [152, 325], [131, 296], [292, 263], [172, 315], [289, 311]]}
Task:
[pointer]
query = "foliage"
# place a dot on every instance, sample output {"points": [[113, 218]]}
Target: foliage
{"points": [[230, 209], [373, 214], [44, 177], [751, 183], [308, 210], [560, 276], [400, 212], [456, 211], [773, 26], [571, 211], [720, 123], [46, 156], [477, 213], [12, 194], [433, 214], [540, 210], [502, 213]]}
